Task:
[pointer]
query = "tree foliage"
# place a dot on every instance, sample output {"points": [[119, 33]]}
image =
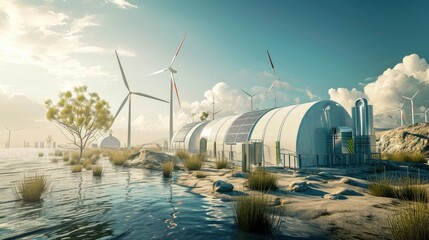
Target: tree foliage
{"points": [[81, 115], [204, 116]]}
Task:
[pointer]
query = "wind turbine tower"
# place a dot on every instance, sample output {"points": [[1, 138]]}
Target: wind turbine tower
{"points": [[251, 99], [274, 81], [412, 104]]}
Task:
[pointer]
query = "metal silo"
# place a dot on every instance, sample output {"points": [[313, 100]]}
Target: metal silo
{"points": [[363, 129]]}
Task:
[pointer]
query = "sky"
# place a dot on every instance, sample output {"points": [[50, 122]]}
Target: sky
{"points": [[338, 50]]}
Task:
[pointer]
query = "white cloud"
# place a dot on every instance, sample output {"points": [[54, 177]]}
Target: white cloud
{"points": [[41, 36], [122, 4], [386, 92]]}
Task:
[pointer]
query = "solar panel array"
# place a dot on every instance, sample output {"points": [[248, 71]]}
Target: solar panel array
{"points": [[242, 126], [181, 134]]}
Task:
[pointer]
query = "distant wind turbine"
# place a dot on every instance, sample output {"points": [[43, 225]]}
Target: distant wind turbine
{"points": [[401, 110], [424, 114], [214, 112], [128, 98], [172, 83], [251, 99], [274, 81], [10, 130], [412, 104]]}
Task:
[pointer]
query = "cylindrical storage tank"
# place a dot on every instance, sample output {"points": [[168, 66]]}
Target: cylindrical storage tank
{"points": [[363, 128], [258, 147]]}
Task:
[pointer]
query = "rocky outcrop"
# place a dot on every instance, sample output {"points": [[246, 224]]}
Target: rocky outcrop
{"points": [[298, 186], [150, 160], [413, 138]]}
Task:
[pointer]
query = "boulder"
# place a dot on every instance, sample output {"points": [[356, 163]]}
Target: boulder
{"points": [[333, 196], [222, 186], [150, 160], [240, 175], [298, 186]]}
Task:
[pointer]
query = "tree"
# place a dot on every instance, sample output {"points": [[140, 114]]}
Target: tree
{"points": [[49, 141], [80, 115], [204, 116]]}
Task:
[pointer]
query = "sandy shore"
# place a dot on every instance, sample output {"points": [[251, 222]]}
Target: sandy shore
{"points": [[358, 216]]}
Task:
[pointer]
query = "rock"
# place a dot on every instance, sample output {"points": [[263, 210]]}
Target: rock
{"points": [[411, 138], [133, 156], [298, 186], [327, 176], [150, 160], [345, 180], [347, 192], [333, 196], [240, 175], [222, 186]]}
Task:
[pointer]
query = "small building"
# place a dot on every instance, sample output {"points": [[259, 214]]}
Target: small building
{"points": [[302, 130], [110, 142]]}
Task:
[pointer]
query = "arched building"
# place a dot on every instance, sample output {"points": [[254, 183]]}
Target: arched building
{"points": [[303, 130], [110, 142]]}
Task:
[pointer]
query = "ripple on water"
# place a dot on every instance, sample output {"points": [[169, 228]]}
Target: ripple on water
{"points": [[126, 203]]}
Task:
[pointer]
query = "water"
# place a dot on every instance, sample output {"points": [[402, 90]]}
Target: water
{"points": [[125, 203]]}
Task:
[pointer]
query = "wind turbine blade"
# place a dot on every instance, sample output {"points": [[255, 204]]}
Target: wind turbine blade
{"points": [[175, 89], [122, 72], [406, 97], [426, 110], [402, 105], [415, 93], [271, 61], [269, 89], [218, 112], [178, 50], [148, 96], [157, 72], [246, 93], [120, 108]]}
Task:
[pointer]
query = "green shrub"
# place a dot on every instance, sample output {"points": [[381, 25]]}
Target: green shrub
{"points": [[167, 169], [97, 170], [405, 157], [31, 188], [262, 180], [181, 154], [76, 168], [195, 162], [253, 213], [411, 222], [221, 163]]}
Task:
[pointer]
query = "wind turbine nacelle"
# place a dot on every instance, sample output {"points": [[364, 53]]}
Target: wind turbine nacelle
{"points": [[172, 70]]}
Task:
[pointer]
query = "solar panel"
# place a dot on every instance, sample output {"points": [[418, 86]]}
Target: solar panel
{"points": [[242, 127], [181, 134]]}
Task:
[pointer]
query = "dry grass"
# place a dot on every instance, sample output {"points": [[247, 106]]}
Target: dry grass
{"points": [[167, 169], [404, 188], [76, 168], [200, 175], [182, 155], [221, 163], [118, 157], [262, 180], [411, 222], [195, 162], [58, 153], [253, 213], [31, 188], [405, 157], [66, 157], [97, 170], [40, 154], [87, 164]]}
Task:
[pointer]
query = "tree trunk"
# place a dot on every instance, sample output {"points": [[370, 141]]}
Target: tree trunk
{"points": [[81, 149]]}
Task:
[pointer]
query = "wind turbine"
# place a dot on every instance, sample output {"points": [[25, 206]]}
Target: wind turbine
{"points": [[426, 115], [172, 83], [128, 98], [401, 110], [412, 104], [10, 130], [274, 81], [251, 99]]}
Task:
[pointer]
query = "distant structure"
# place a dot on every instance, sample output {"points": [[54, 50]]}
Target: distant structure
{"points": [[110, 142], [305, 135]]}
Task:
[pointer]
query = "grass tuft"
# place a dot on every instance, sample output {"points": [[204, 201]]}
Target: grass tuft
{"points": [[76, 168], [118, 157], [262, 180], [409, 189], [221, 163], [40, 154], [87, 164], [253, 213], [200, 175], [405, 157], [97, 170], [167, 169], [31, 188], [181, 154], [66, 157], [411, 222], [195, 162]]}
